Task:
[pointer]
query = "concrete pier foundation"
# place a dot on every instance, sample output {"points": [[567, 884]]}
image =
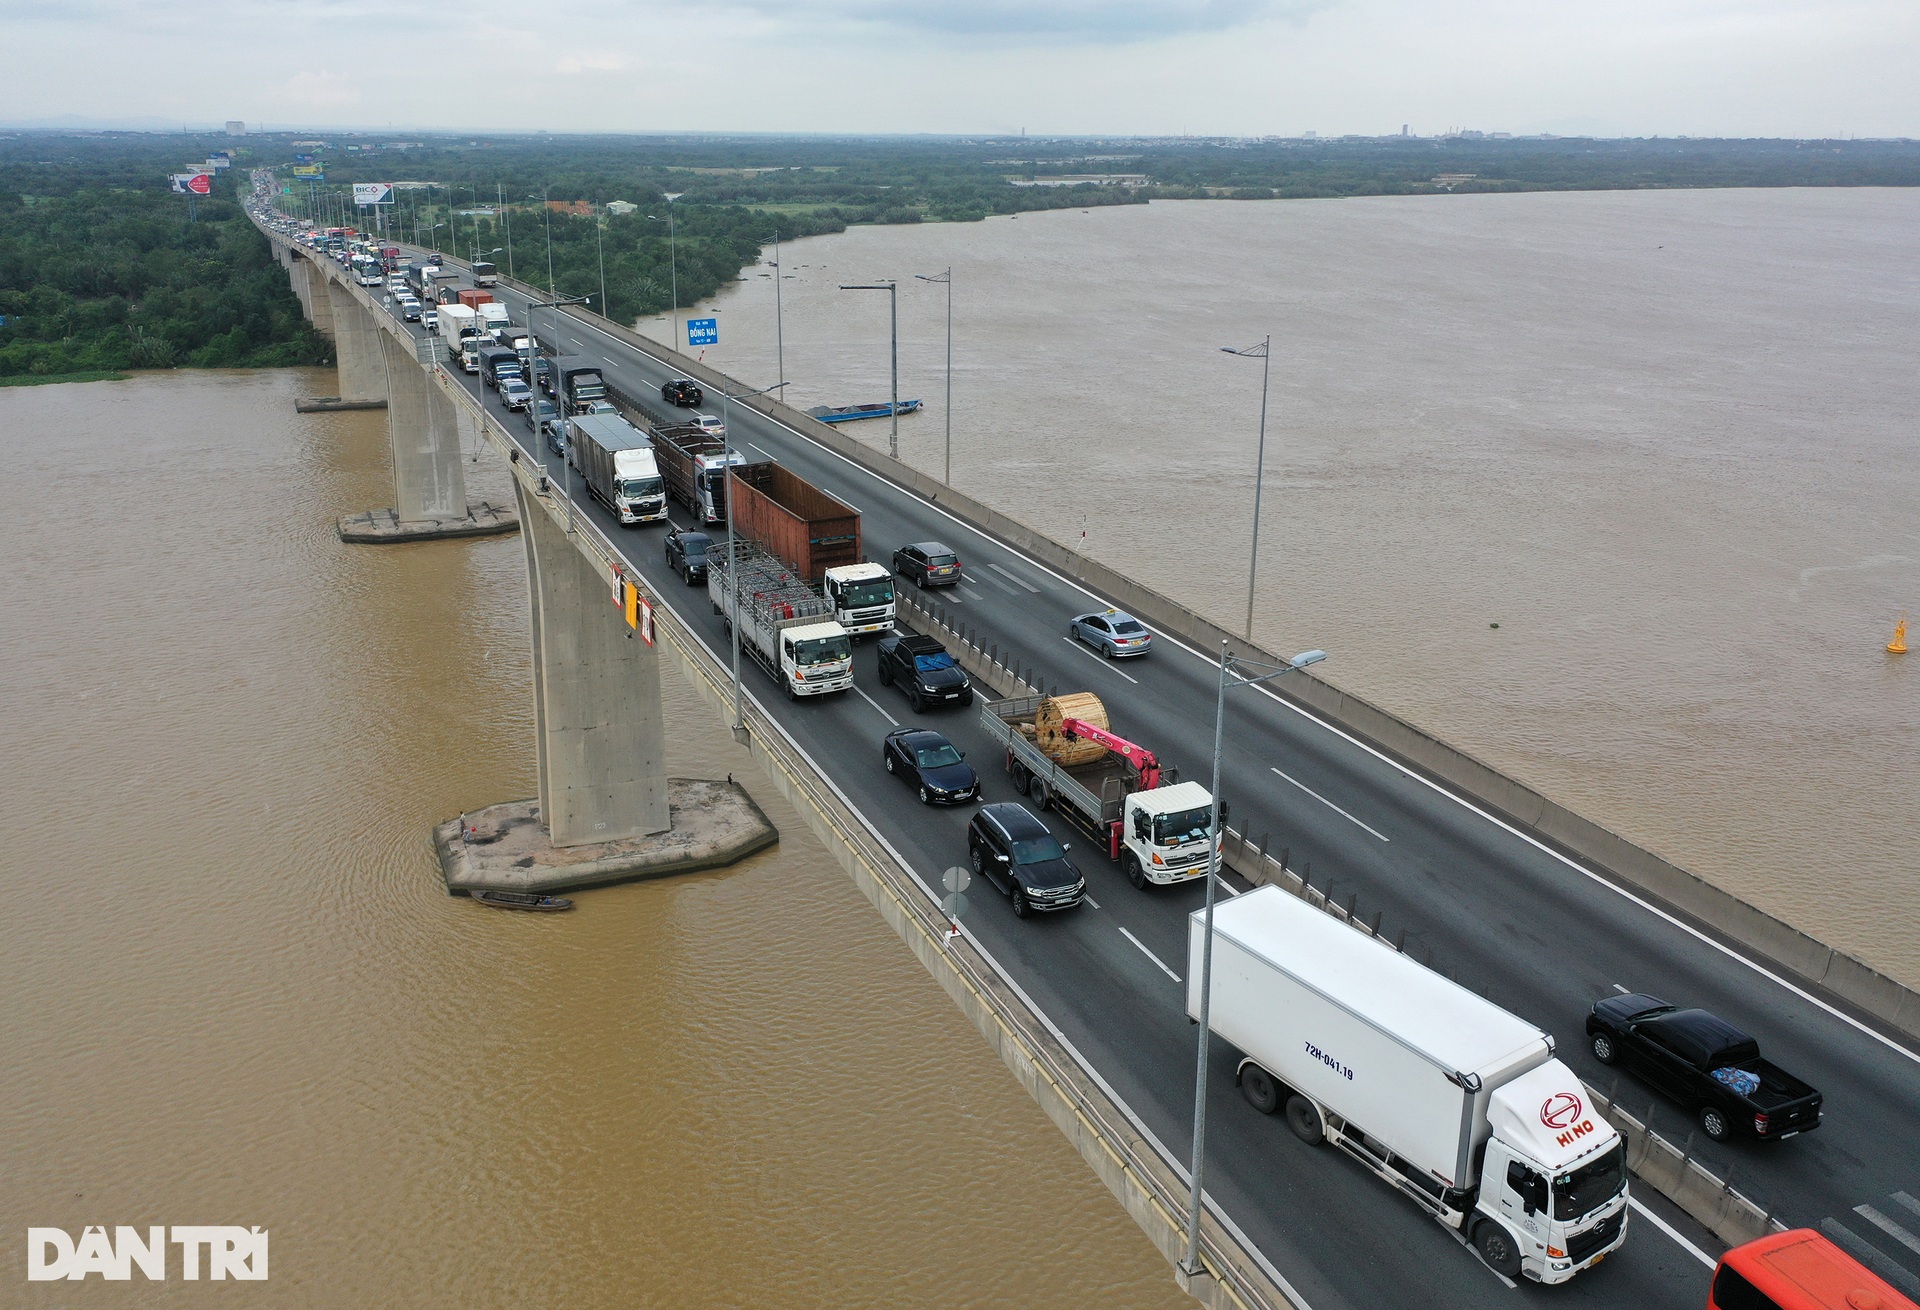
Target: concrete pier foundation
{"points": [[598, 725]]}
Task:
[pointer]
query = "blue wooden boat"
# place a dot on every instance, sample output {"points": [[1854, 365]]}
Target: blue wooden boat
{"points": [[848, 413]]}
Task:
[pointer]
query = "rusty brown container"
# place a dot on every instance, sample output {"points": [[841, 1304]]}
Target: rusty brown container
{"points": [[803, 525]]}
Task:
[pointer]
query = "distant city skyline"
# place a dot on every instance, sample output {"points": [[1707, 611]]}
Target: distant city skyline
{"points": [[1719, 68]]}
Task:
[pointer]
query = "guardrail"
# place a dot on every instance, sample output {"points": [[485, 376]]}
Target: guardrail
{"points": [[1149, 1184]]}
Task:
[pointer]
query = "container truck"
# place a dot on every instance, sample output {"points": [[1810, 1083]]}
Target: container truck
{"points": [[474, 299], [819, 536], [494, 321], [574, 383], [1061, 756], [616, 461], [803, 525], [695, 466], [1434, 1089], [461, 336], [784, 624]]}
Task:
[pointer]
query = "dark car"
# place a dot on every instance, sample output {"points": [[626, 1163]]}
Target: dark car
{"points": [[538, 412], [681, 392], [932, 765], [687, 554], [1014, 851], [927, 564], [1704, 1063], [921, 667]]}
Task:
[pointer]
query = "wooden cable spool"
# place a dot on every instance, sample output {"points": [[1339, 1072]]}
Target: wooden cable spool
{"points": [[1053, 741]]}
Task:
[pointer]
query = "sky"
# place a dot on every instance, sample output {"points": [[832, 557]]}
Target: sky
{"points": [[1792, 68]]}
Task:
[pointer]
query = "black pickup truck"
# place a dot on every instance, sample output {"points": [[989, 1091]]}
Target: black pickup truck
{"points": [[1704, 1063], [921, 667]]}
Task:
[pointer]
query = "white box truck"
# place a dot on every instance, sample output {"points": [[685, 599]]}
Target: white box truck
{"points": [[461, 337], [494, 321], [616, 461], [1438, 1091], [785, 625]]}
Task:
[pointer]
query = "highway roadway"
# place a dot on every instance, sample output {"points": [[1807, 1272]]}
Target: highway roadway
{"points": [[1492, 907]]}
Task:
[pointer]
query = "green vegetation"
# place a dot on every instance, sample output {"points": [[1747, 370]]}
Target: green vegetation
{"points": [[40, 379], [100, 271]]}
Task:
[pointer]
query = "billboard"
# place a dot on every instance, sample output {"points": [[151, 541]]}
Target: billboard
{"points": [[198, 184], [312, 172], [303, 159], [372, 193]]}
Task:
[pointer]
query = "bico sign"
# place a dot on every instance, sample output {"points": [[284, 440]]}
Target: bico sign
{"points": [[223, 1250]]}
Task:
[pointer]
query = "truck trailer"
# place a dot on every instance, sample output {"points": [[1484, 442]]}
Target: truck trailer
{"points": [[1439, 1092], [1141, 816], [805, 526], [783, 623], [616, 461], [461, 337], [695, 467]]}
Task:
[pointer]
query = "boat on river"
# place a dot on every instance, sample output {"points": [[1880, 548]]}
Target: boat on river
{"points": [[504, 900], [848, 413]]}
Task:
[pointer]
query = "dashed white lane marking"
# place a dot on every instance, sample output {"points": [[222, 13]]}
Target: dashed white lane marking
{"points": [[876, 705], [1330, 805], [1014, 577], [1081, 646], [1890, 1228], [1667, 1228], [1150, 955]]}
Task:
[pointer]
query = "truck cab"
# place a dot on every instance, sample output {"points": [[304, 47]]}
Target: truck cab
{"points": [[1164, 834], [862, 596], [816, 659]]}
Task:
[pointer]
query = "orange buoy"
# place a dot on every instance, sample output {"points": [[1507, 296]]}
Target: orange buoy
{"points": [[1898, 645]]}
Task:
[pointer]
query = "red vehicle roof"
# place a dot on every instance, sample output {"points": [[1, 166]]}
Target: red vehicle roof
{"points": [[1801, 1270]]}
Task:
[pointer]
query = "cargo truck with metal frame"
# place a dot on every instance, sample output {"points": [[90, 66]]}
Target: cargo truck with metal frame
{"points": [[574, 382], [784, 624], [1138, 814], [1456, 1103], [862, 596], [695, 467], [615, 460]]}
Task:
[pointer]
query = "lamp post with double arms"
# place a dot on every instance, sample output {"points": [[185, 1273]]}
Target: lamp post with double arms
{"points": [[1262, 352], [893, 337], [1261, 672], [733, 576], [947, 277]]}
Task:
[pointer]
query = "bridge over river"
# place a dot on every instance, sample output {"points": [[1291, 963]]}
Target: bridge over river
{"points": [[1508, 893]]}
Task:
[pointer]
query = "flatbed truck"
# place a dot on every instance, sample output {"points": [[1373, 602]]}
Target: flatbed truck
{"points": [[784, 625]]}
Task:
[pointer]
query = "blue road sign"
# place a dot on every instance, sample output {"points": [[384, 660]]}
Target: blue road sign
{"points": [[703, 332]]}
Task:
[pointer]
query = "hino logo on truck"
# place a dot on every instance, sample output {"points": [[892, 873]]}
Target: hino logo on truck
{"points": [[1562, 1112]]}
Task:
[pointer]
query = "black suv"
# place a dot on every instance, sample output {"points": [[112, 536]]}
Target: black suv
{"points": [[1014, 851], [921, 667], [927, 564], [687, 554], [682, 392]]}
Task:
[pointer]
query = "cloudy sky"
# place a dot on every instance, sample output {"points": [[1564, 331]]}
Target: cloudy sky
{"points": [[1240, 67]]}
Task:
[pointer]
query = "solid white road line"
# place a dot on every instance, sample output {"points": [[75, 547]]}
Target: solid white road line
{"points": [[1014, 577], [1672, 1232], [1150, 955], [876, 705], [1213, 661], [763, 452], [1330, 805], [1081, 646]]}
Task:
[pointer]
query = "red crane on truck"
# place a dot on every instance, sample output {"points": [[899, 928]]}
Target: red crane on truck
{"points": [[1145, 763]]}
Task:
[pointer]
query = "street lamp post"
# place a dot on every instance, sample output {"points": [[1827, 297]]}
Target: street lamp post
{"points": [[600, 249], [733, 576], [1264, 353], [500, 191], [779, 318], [1191, 1265], [539, 437], [947, 277], [893, 337], [673, 262]]}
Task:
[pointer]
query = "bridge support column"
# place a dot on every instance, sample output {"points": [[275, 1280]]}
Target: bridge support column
{"points": [[429, 477], [356, 347], [310, 285], [598, 724]]}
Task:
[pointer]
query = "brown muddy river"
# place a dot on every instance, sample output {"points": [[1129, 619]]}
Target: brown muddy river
{"points": [[235, 992], [1666, 440]]}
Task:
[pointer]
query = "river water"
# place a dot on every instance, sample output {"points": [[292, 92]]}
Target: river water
{"points": [[236, 994], [1666, 441]]}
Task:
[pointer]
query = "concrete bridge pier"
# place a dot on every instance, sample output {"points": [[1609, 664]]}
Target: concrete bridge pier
{"points": [[429, 478], [356, 346], [607, 811]]}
